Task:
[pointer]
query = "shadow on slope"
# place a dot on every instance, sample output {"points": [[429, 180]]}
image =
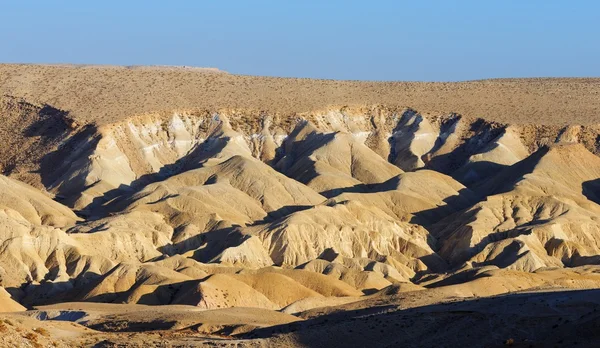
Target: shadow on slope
{"points": [[483, 131], [29, 132], [591, 190], [453, 204], [526, 319], [111, 200], [51, 292]]}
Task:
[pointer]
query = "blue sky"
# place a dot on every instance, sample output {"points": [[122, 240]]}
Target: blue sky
{"points": [[355, 40]]}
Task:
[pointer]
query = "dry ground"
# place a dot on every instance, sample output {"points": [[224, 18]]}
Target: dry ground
{"points": [[105, 94]]}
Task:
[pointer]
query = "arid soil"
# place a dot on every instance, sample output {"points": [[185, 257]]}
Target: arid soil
{"points": [[159, 206], [106, 94]]}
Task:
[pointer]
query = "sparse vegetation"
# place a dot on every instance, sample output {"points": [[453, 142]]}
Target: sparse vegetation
{"points": [[41, 331]]}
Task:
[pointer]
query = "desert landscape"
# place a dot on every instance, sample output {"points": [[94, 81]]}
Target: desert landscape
{"points": [[180, 207]]}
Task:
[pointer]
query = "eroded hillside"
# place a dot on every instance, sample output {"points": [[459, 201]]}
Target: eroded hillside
{"points": [[273, 219]]}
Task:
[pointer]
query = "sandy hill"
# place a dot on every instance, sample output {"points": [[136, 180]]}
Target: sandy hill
{"points": [[540, 212], [7, 304]]}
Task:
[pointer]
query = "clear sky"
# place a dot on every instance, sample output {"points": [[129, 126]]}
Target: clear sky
{"points": [[356, 40]]}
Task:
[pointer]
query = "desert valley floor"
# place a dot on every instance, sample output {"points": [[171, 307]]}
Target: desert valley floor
{"points": [[159, 206]]}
